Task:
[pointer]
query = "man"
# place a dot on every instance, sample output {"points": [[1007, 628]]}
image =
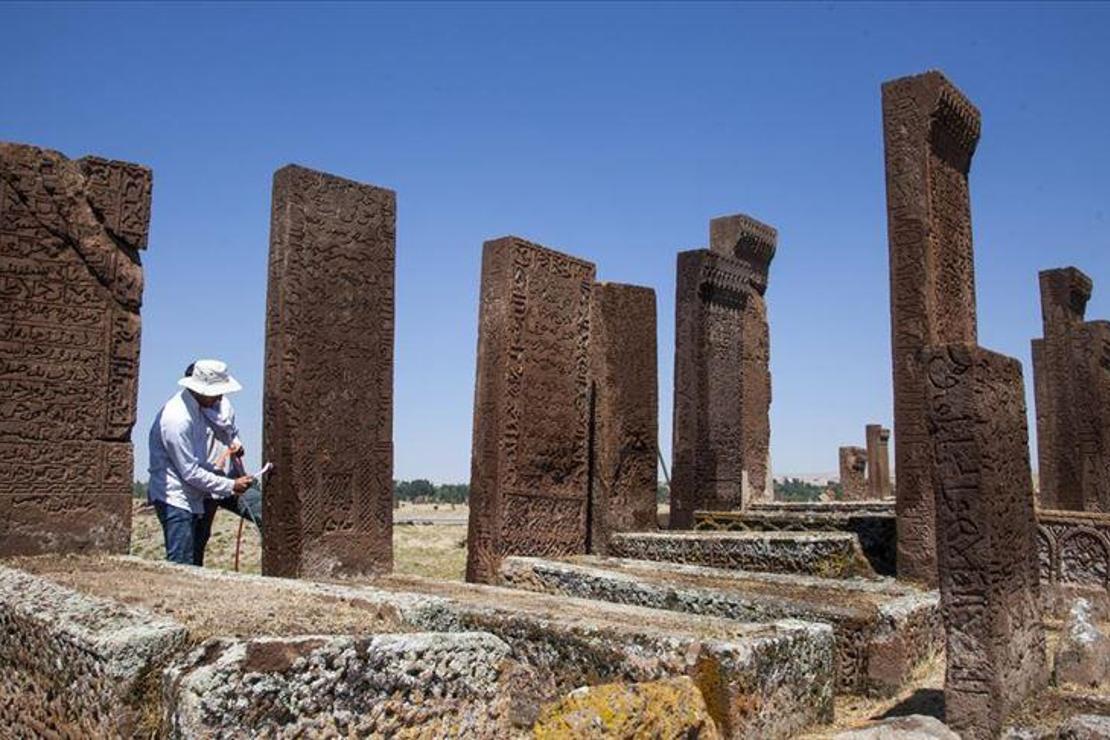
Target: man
{"points": [[183, 477]]}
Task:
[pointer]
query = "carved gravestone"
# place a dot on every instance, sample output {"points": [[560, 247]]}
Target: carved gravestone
{"points": [[986, 535], [1071, 370], [328, 401], [930, 131], [625, 414], [878, 461], [853, 472], [722, 386], [530, 467], [71, 285]]}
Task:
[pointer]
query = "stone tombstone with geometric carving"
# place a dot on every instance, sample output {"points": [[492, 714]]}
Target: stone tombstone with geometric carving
{"points": [[722, 386], [853, 473], [71, 285], [530, 466], [878, 461], [328, 399], [625, 413], [930, 131], [986, 535], [1071, 368]]}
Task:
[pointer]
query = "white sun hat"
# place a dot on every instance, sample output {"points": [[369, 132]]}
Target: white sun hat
{"points": [[210, 378]]}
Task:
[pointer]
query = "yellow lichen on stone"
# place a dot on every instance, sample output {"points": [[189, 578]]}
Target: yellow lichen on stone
{"points": [[671, 708]]}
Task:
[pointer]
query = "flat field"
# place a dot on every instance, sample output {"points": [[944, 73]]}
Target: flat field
{"points": [[436, 550]]}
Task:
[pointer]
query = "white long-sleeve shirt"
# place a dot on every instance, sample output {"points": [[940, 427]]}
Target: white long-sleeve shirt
{"points": [[183, 450]]}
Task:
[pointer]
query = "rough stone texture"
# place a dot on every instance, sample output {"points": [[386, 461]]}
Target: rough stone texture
{"points": [[878, 462], [1071, 368], [1082, 655], [625, 414], [930, 132], [1085, 727], [986, 548], [1074, 556], [829, 554], [328, 401], [853, 473], [722, 379], [767, 679], [881, 634], [874, 530], [71, 284], [530, 468], [910, 727], [410, 685], [76, 666], [671, 708], [825, 507]]}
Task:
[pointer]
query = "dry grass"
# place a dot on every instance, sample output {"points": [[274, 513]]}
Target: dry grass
{"points": [[432, 550]]}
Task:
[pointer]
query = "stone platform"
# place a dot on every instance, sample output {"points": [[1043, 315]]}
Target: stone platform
{"points": [[185, 652], [874, 505], [883, 629], [874, 527], [827, 554]]}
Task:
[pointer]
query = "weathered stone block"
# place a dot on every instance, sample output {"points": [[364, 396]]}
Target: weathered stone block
{"points": [[930, 132], [72, 665], [530, 468], [328, 401], [71, 285], [874, 527], [625, 432], [853, 473], [1082, 655], [829, 554], [986, 546], [1071, 368], [767, 680], [883, 629], [671, 708], [910, 727], [722, 378], [424, 684], [878, 462]]}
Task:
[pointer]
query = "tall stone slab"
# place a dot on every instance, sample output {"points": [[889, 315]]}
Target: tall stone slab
{"points": [[1071, 367], [853, 473], [722, 383], [930, 131], [878, 461], [328, 400], [986, 535], [71, 285], [625, 431], [530, 466]]}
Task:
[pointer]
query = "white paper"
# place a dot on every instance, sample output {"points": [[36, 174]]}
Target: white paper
{"points": [[265, 469]]}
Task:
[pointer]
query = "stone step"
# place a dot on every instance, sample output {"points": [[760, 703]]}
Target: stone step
{"points": [[829, 554]]}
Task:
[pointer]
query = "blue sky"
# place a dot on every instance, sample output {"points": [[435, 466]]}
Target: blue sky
{"points": [[613, 132]]}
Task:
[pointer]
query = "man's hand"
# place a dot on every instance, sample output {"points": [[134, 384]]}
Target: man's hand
{"points": [[242, 483]]}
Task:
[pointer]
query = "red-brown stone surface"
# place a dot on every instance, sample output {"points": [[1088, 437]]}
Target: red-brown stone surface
{"points": [[986, 535], [530, 467], [878, 461], [328, 401], [71, 284], [853, 473], [625, 429], [1071, 370], [722, 393], [930, 131]]}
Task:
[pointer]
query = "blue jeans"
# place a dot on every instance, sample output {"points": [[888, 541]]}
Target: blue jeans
{"points": [[186, 533]]}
